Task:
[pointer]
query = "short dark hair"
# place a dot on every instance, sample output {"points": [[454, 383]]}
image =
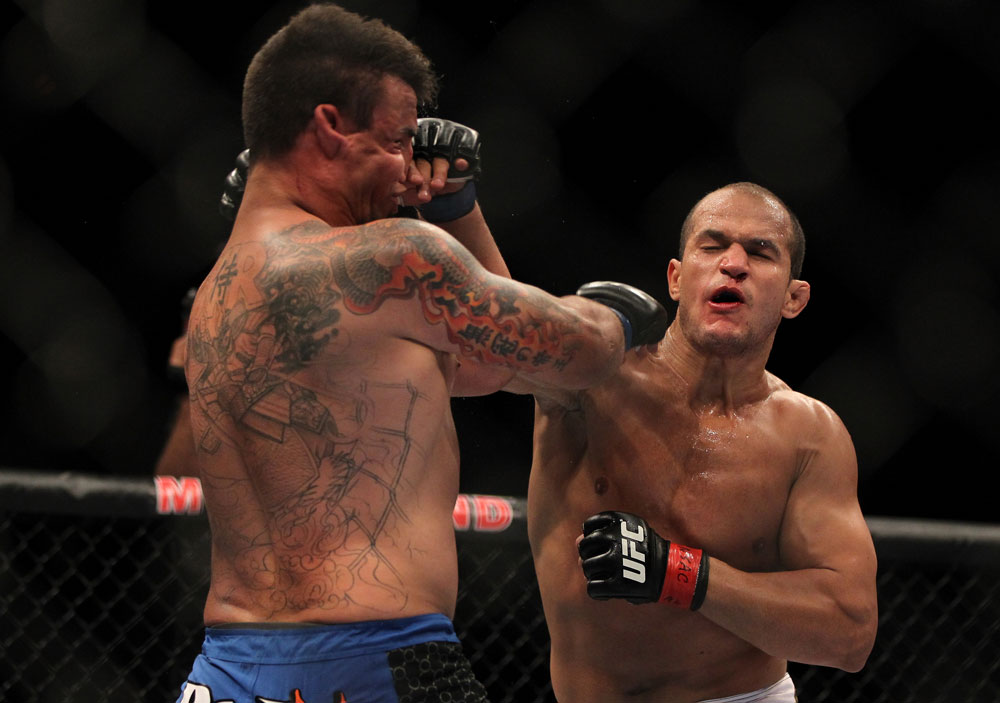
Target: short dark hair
{"points": [[325, 54], [797, 242]]}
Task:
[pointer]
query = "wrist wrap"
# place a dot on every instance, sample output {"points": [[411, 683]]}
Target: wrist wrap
{"points": [[626, 327], [445, 208], [686, 579]]}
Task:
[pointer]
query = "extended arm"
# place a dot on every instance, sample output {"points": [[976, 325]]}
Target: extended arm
{"points": [[471, 230], [447, 161], [462, 308]]}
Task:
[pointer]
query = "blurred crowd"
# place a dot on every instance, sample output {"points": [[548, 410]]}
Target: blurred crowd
{"points": [[601, 121]]}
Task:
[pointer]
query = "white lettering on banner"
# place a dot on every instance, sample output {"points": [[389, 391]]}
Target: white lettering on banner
{"points": [[178, 497], [492, 514], [482, 514]]}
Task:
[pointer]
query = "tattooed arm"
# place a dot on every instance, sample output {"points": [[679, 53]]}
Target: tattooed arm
{"points": [[474, 234], [473, 377], [462, 308]]}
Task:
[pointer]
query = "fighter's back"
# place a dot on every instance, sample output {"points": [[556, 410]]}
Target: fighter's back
{"points": [[326, 447]]}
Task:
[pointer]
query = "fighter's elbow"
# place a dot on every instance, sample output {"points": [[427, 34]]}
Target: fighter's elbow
{"points": [[854, 660], [857, 641], [593, 352]]}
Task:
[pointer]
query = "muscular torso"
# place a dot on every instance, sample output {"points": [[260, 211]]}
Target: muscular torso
{"points": [[713, 480], [326, 446]]}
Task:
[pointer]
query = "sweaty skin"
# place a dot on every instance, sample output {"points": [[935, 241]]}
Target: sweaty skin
{"points": [[322, 352], [715, 453]]}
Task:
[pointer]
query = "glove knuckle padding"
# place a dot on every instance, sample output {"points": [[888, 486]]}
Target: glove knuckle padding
{"points": [[234, 185], [440, 138], [597, 522], [649, 319], [243, 162], [594, 545], [235, 182]]}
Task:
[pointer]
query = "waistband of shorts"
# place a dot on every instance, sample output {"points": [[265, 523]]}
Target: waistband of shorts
{"points": [[782, 687], [316, 642]]}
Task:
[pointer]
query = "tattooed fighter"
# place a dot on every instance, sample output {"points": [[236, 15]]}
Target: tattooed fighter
{"points": [[322, 350]]}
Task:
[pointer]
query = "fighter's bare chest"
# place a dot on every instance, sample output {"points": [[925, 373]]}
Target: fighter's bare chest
{"points": [[718, 482]]}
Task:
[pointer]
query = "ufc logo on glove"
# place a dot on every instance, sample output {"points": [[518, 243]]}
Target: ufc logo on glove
{"points": [[633, 569]]}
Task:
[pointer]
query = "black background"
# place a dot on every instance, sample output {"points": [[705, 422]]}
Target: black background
{"points": [[603, 122]]}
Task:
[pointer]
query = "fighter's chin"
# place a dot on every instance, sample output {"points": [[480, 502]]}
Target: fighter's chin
{"points": [[724, 342], [725, 348]]}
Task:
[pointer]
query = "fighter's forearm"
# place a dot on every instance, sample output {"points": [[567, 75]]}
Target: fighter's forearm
{"points": [[471, 230], [812, 616], [475, 235]]}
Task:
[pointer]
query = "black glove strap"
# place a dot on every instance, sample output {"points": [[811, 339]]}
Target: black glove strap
{"points": [[701, 585], [445, 208]]}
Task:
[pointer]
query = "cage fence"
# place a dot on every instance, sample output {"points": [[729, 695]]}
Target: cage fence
{"points": [[102, 583]]}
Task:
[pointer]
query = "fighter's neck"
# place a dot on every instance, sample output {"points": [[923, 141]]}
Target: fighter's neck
{"points": [[284, 186], [712, 382]]}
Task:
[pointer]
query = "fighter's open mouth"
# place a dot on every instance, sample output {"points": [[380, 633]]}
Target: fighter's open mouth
{"points": [[727, 295]]}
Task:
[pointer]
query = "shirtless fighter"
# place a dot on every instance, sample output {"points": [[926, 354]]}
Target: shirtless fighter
{"points": [[322, 350], [723, 535]]}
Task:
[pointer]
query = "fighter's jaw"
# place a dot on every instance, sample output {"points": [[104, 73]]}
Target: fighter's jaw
{"points": [[722, 322]]}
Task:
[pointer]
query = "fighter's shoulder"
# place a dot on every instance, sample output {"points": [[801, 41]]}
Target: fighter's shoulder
{"points": [[806, 412], [315, 231], [402, 227], [822, 442], [301, 241], [404, 234]]}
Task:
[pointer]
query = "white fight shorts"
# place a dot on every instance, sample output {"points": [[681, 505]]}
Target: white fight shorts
{"points": [[781, 692]]}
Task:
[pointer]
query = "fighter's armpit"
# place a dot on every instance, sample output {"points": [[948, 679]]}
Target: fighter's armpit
{"points": [[550, 400]]}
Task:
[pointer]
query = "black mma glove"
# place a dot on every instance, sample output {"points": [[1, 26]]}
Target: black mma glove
{"points": [[232, 190], [443, 139], [624, 558], [645, 320]]}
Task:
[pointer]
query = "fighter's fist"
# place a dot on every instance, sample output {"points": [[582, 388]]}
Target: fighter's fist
{"points": [[438, 138], [622, 557], [645, 320]]}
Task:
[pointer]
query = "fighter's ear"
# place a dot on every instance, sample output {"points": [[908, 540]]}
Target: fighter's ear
{"points": [[330, 128], [796, 298], [674, 279]]}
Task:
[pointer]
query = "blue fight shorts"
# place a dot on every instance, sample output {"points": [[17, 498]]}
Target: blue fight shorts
{"points": [[408, 660]]}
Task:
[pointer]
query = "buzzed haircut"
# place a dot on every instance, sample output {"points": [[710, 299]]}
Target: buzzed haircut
{"points": [[797, 242], [326, 54]]}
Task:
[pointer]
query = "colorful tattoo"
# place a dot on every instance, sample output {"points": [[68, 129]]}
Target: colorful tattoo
{"points": [[327, 464]]}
